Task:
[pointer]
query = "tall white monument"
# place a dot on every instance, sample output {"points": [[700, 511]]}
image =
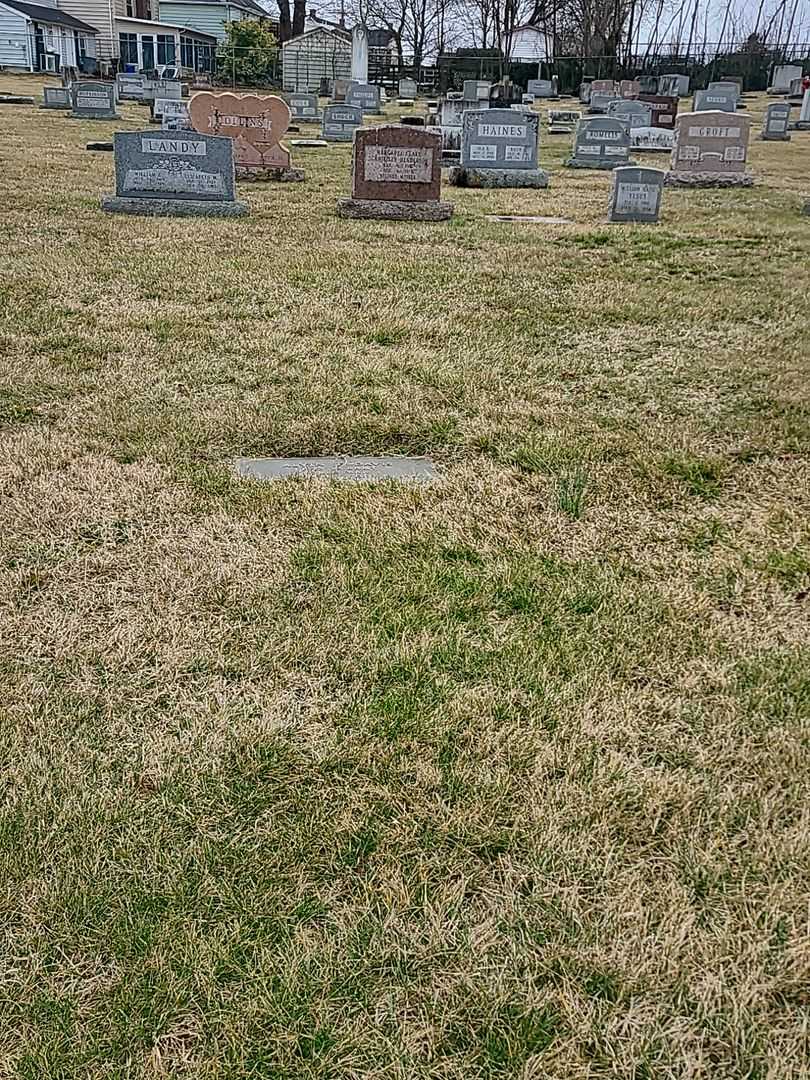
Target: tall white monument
{"points": [[360, 54]]}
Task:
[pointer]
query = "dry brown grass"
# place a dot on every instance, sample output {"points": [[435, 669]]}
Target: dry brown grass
{"points": [[504, 777]]}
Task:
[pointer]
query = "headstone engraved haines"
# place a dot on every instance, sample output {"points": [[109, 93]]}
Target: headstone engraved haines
{"points": [[499, 149], [775, 124], [304, 107], [93, 101], [600, 142], [187, 174], [710, 150], [56, 97], [366, 96], [339, 122], [714, 101], [636, 194], [664, 109], [256, 123], [130, 87], [396, 174], [635, 114], [803, 123]]}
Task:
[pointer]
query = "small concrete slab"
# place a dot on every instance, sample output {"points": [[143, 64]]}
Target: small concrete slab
{"points": [[352, 469], [530, 219], [308, 144]]}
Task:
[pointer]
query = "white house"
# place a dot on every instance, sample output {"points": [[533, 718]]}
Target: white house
{"points": [[314, 55], [529, 44], [41, 37]]}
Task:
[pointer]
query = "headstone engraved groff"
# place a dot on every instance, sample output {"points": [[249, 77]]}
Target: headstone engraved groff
{"points": [[775, 124], [636, 194], [710, 150], [499, 149], [256, 123], [186, 174], [339, 122], [600, 142], [56, 97], [396, 173], [93, 101]]}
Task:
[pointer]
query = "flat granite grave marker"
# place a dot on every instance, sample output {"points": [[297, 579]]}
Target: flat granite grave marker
{"points": [[499, 149], [396, 174], [600, 142], [339, 122], [714, 101], [710, 150], [636, 194], [652, 140], [635, 114], [664, 109], [93, 101], [775, 123], [365, 95], [304, 107], [56, 97], [178, 175], [256, 123], [351, 469]]}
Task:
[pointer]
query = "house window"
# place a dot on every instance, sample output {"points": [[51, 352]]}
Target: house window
{"points": [[130, 9], [128, 48], [166, 49], [186, 52]]}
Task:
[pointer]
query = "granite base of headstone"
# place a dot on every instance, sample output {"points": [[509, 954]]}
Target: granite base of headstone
{"points": [[255, 174], [308, 144], [636, 195], [158, 174]]}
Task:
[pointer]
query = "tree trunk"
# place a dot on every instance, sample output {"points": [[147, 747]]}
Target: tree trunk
{"points": [[299, 15], [285, 26]]}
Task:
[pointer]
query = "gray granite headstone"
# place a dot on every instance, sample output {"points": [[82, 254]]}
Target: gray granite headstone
{"points": [[174, 114], [499, 139], [775, 125], [652, 139], [803, 123], [365, 95], [407, 88], [722, 86], [600, 142], [600, 103], [636, 194], [93, 101], [540, 88], [672, 86], [563, 121], [155, 166], [339, 122], [130, 87], [56, 97], [783, 76], [304, 107], [353, 469], [634, 113], [714, 101]]}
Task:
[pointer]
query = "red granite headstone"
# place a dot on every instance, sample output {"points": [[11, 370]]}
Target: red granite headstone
{"points": [[664, 110], [396, 163], [255, 122]]}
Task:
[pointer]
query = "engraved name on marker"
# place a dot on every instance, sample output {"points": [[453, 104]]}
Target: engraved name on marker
{"points": [[399, 164]]}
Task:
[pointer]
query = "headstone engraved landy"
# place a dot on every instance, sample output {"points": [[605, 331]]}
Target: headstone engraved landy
{"points": [[180, 175], [710, 150], [255, 123], [600, 142], [636, 194], [775, 124], [499, 149], [93, 101], [339, 122], [396, 173], [353, 469]]}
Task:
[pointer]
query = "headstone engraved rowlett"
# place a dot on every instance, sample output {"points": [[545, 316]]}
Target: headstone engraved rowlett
{"points": [[56, 97], [714, 101], [803, 123], [635, 114], [130, 87], [173, 174], [499, 149], [600, 142], [664, 109], [652, 139], [783, 76], [339, 122], [366, 96], [396, 173], [775, 124], [710, 150], [93, 101], [636, 194], [304, 107], [256, 123]]}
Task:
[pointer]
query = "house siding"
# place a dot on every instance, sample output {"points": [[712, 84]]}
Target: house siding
{"points": [[209, 18], [97, 13], [315, 56], [15, 47]]}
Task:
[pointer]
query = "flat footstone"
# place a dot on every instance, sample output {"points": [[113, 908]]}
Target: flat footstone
{"points": [[466, 176], [395, 211], [308, 144], [530, 219], [100, 146], [114, 204], [15, 99], [282, 176], [352, 469]]}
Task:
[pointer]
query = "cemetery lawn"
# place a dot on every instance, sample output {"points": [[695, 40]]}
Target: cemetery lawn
{"points": [[505, 776]]}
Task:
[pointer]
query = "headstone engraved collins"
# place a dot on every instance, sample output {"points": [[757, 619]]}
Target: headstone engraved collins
{"points": [[600, 142], [499, 149], [635, 114], [710, 150], [396, 173], [636, 194], [174, 115], [714, 101], [93, 101], [56, 97], [652, 140], [562, 121], [256, 123], [187, 174], [629, 88], [664, 109], [130, 87], [304, 107], [775, 124], [366, 96], [339, 122], [803, 123], [783, 76]]}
